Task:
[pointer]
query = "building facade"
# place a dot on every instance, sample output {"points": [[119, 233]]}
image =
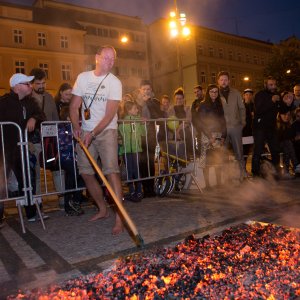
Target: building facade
{"points": [[202, 56], [63, 40]]}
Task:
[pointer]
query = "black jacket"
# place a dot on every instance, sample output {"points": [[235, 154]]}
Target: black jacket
{"points": [[211, 118], [265, 111], [18, 111]]}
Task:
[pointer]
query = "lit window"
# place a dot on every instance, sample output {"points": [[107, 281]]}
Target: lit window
{"points": [[203, 78], [45, 67], [18, 36], [221, 54], [213, 77], [232, 81], [66, 72], [19, 66], [64, 42], [41, 39]]}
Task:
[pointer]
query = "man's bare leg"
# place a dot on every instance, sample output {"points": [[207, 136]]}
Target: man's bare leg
{"points": [[96, 192], [115, 182]]}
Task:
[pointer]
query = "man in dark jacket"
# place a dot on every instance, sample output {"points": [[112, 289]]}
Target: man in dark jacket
{"points": [[17, 106], [266, 106]]}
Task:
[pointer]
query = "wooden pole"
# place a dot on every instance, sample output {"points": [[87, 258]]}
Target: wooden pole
{"points": [[138, 238]]}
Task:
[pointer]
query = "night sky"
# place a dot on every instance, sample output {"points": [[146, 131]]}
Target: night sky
{"points": [[267, 20]]}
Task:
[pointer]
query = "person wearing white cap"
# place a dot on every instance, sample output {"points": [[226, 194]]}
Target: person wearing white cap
{"points": [[17, 106]]}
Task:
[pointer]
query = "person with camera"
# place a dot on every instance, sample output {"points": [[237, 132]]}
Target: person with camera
{"points": [[266, 107], [98, 94]]}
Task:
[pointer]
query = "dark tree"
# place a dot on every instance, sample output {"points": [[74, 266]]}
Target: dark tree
{"points": [[284, 66]]}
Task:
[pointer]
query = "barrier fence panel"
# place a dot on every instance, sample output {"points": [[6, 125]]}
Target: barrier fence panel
{"points": [[162, 150], [13, 180], [159, 149], [57, 156]]}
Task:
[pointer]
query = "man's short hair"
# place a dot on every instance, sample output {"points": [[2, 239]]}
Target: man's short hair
{"points": [[101, 48], [269, 78], [223, 73], [38, 74], [198, 86], [145, 82]]}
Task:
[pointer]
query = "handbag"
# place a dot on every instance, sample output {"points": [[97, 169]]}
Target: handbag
{"points": [[50, 154]]}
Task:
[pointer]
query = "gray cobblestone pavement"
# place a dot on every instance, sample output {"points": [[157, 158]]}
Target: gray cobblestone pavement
{"points": [[72, 246]]}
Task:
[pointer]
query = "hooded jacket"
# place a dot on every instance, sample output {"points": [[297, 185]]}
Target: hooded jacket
{"points": [[131, 133]]}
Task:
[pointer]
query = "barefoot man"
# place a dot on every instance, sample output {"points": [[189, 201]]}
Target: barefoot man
{"points": [[97, 93]]}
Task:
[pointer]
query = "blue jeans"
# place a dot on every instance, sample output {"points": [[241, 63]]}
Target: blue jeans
{"points": [[132, 160], [70, 183]]}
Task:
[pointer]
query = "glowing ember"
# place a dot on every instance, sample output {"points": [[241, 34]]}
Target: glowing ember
{"points": [[244, 262]]}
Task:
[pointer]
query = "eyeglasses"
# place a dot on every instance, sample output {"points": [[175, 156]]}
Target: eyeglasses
{"points": [[213, 92], [25, 83]]}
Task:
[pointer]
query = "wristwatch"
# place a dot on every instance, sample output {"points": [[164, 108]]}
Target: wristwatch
{"points": [[93, 134]]}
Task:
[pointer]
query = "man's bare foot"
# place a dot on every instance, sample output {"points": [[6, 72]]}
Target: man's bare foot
{"points": [[117, 229], [100, 215]]}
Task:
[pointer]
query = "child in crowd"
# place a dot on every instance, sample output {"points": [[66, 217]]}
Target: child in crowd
{"points": [[132, 131], [285, 136]]}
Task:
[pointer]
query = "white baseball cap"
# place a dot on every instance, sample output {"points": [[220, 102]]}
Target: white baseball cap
{"points": [[19, 78]]}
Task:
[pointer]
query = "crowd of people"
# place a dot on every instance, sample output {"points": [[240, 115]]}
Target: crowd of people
{"points": [[221, 116]]}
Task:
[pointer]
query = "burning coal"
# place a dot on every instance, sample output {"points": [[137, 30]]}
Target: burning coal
{"points": [[255, 261]]}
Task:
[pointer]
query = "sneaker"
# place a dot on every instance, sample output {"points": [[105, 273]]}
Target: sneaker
{"points": [[136, 197], [139, 196], [297, 169], [75, 206], [128, 197]]}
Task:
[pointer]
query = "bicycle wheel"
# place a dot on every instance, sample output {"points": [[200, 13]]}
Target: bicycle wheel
{"points": [[162, 185], [180, 182], [172, 185]]}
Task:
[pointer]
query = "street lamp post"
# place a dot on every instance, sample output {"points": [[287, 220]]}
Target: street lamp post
{"points": [[178, 30]]}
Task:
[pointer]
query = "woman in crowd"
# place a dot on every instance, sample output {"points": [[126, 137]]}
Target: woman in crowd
{"points": [[72, 201], [62, 100], [212, 126]]}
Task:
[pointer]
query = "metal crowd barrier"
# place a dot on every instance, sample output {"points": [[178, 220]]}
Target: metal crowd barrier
{"points": [[9, 186], [165, 155], [165, 144], [50, 130]]}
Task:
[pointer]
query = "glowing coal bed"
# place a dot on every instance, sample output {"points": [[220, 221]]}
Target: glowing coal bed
{"points": [[249, 261]]}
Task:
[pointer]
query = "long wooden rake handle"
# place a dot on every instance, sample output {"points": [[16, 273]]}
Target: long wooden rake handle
{"points": [[138, 238]]}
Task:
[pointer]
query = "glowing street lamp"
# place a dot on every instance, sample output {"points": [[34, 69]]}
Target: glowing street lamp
{"points": [[124, 39], [178, 30]]}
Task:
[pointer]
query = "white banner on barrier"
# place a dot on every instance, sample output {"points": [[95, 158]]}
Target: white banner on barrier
{"points": [[49, 130], [247, 140]]}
